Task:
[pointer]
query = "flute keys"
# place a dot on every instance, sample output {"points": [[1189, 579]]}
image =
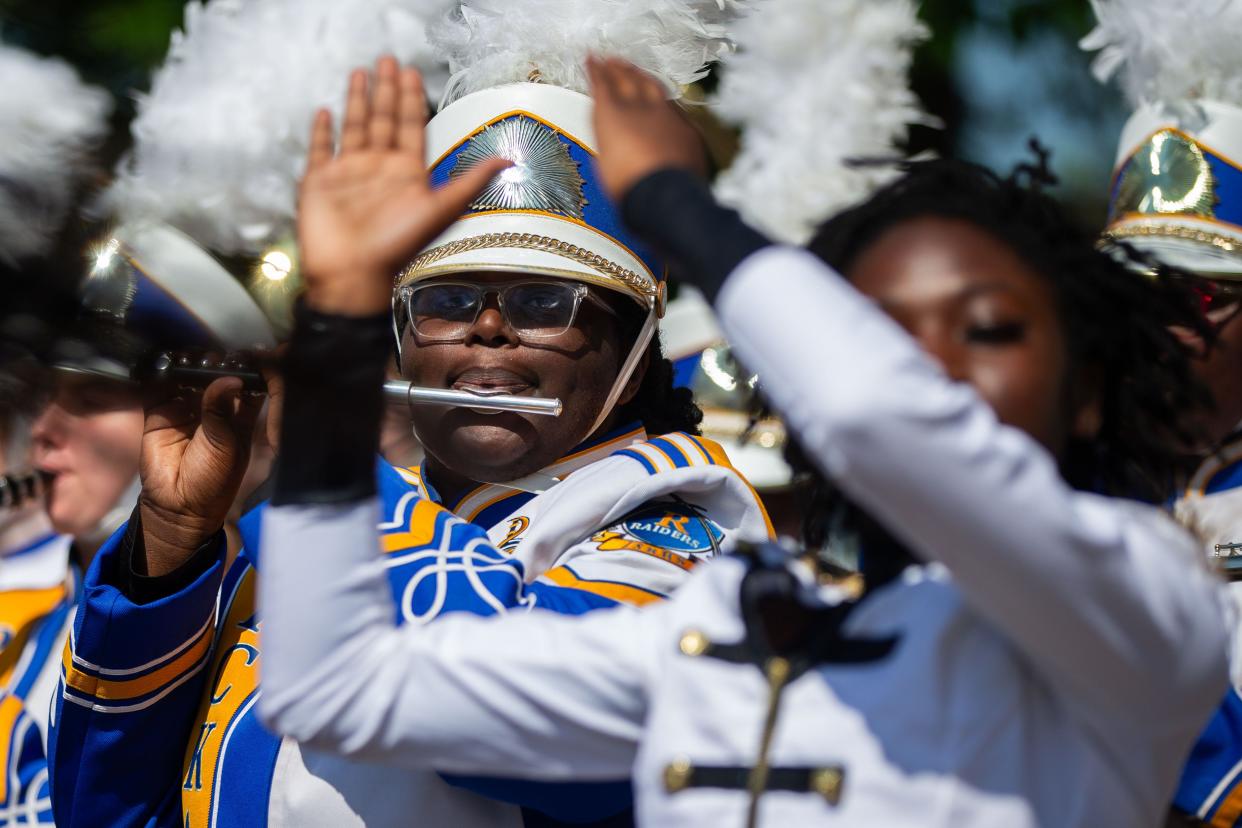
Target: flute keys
{"points": [[17, 489]]}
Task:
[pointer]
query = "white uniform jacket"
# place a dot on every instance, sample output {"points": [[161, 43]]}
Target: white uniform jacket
{"points": [[1050, 664]]}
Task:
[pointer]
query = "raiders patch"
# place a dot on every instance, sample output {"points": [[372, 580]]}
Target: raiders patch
{"points": [[672, 527]]}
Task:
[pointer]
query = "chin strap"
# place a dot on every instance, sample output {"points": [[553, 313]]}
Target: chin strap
{"points": [[396, 325], [627, 368]]}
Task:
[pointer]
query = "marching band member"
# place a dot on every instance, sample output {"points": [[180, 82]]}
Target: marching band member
{"points": [[37, 591], [88, 439], [51, 123], [535, 290], [1176, 194], [1016, 665]]}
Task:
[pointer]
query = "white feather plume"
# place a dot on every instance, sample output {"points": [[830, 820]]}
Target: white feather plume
{"points": [[220, 141], [493, 42], [1169, 51], [50, 122], [814, 84]]}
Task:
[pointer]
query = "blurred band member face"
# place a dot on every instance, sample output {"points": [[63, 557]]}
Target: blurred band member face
{"points": [[1219, 364], [24, 522], [89, 439], [986, 316]]}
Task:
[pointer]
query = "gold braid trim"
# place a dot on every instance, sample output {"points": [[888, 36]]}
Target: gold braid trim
{"points": [[1217, 240], [530, 241]]}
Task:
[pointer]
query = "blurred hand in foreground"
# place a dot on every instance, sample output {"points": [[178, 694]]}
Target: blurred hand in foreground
{"points": [[638, 130]]}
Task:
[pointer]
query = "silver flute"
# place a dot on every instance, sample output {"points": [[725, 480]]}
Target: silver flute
{"points": [[197, 372], [402, 391]]}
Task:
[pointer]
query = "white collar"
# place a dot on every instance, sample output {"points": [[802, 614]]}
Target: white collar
{"points": [[483, 497], [40, 566]]}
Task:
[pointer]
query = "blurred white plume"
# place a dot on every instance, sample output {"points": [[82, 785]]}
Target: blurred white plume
{"points": [[50, 123], [221, 139], [814, 84], [1169, 51], [492, 42]]}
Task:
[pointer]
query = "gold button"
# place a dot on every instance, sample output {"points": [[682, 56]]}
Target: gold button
{"points": [[827, 783], [694, 643], [778, 671], [677, 775]]}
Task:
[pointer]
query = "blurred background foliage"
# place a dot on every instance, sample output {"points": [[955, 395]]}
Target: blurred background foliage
{"points": [[995, 72], [1000, 72]]}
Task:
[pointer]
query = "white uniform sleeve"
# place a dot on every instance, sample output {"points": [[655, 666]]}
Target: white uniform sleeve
{"points": [[1108, 599], [536, 695]]}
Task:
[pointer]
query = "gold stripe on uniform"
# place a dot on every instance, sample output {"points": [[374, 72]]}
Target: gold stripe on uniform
{"points": [[10, 708], [121, 689], [561, 576]]}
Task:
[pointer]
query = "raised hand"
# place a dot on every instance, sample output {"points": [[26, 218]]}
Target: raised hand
{"points": [[367, 209], [194, 455], [639, 131]]}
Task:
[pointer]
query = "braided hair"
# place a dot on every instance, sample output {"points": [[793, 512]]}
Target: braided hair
{"points": [[1115, 321], [659, 405]]}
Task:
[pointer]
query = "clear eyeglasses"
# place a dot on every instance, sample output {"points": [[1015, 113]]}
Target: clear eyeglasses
{"points": [[446, 311]]}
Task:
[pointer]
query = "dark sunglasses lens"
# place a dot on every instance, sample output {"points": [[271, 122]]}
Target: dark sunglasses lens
{"points": [[541, 309], [443, 310]]}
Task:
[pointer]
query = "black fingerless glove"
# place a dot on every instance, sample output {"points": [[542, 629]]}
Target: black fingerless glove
{"points": [[330, 428]]}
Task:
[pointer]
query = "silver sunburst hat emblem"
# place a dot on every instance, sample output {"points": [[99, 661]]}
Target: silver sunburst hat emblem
{"points": [[543, 176]]}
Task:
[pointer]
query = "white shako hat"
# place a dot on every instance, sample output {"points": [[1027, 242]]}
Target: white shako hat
{"points": [[545, 215], [51, 123], [164, 292], [1176, 189]]}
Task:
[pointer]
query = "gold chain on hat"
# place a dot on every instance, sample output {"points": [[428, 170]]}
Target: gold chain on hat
{"points": [[1206, 237], [530, 241]]}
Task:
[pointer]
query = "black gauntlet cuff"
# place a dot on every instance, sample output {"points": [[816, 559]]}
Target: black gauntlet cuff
{"points": [[141, 588], [333, 407]]}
